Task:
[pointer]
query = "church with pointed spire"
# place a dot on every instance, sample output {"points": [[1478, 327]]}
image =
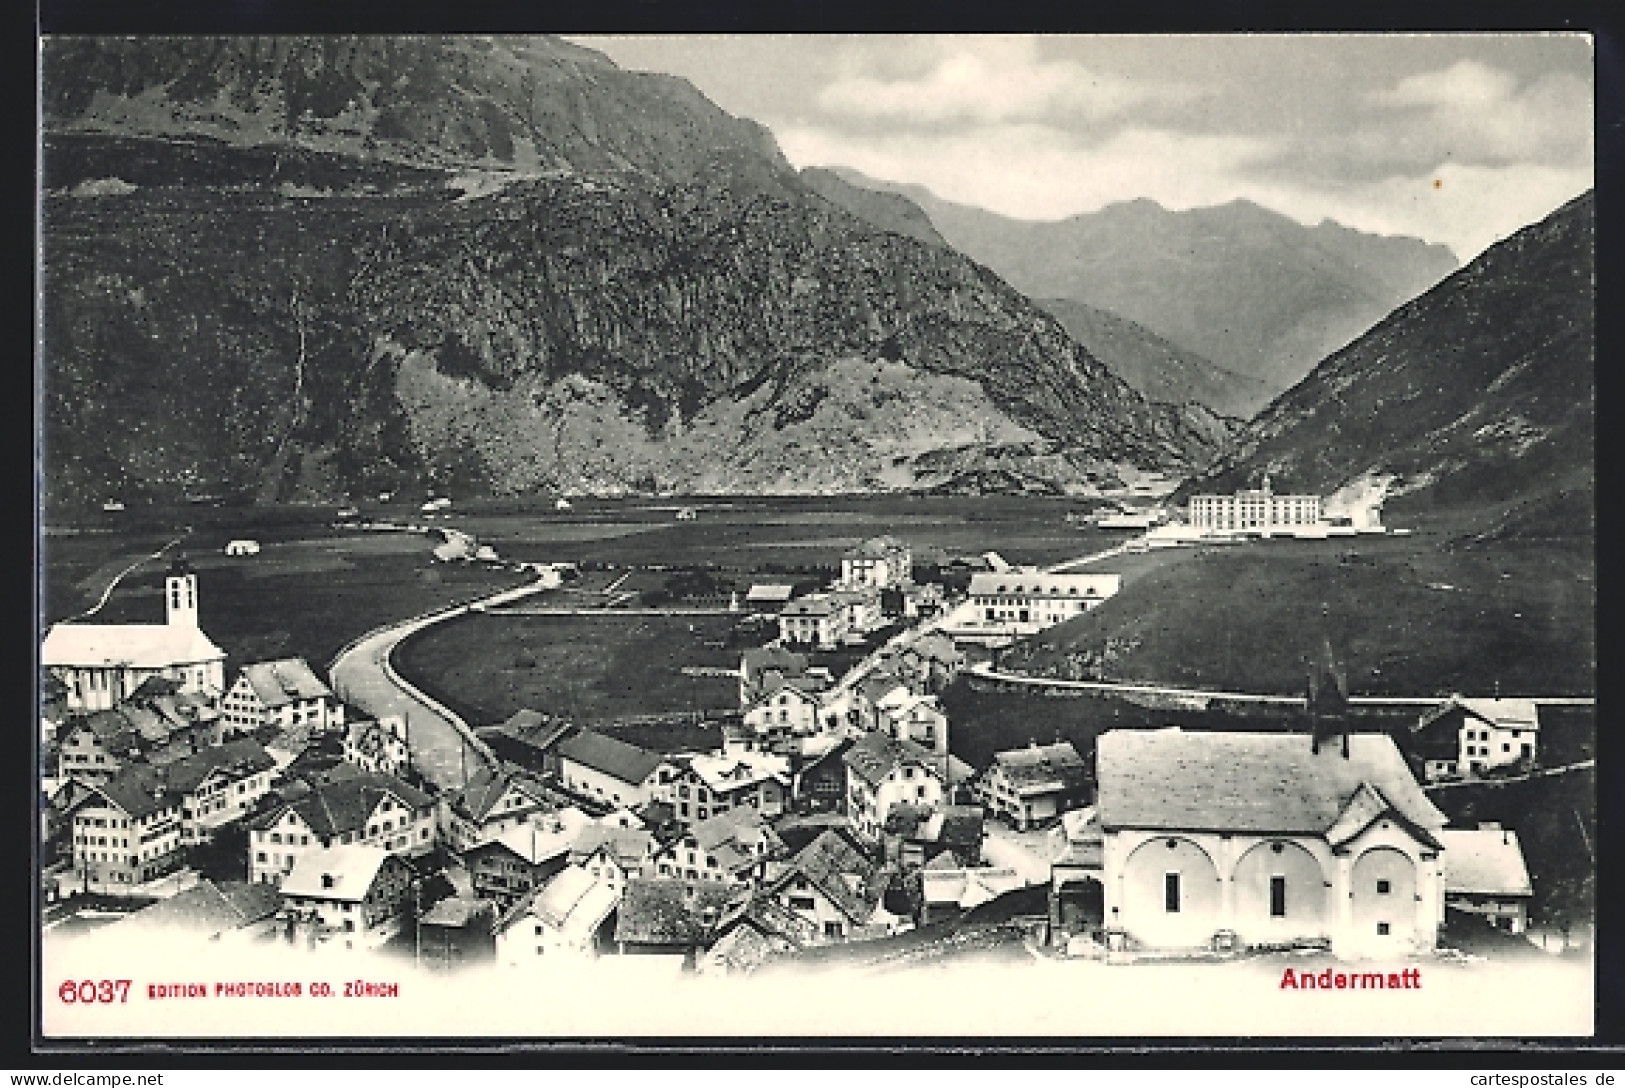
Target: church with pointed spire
{"points": [[102, 664]]}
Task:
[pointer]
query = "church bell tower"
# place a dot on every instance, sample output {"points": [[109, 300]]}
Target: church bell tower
{"points": [[180, 595]]}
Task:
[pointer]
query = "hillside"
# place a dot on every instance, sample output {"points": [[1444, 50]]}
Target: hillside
{"points": [[1247, 288], [1481, 391], [299, 267], [1157, 369]]}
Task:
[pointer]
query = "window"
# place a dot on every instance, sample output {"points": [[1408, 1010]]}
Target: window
{"points": [[832, 929], [1383, 887], [1382, 929], [802, 902], [1170, 893], [1277, 897]]}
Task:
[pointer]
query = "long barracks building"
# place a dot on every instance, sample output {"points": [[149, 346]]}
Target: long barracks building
{"points": [[1260, 511]]}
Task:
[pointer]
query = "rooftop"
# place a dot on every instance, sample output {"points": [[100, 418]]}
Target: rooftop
{"points": [[340, 873], [610, 756], [1485, 861], [284, 681], [664, 911], [1260, 782], [132, 645]]}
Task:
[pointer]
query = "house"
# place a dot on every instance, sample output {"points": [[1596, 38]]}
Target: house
{"points": [[231, 912], [341, 807], [930, 662], [94, 746], [505, 867], [613, 855], [881, 686], [818, 620], [354, 894], [788, 706], [768, 599], [493, 801], [528, 739], [916, 835], [1036, 783], [882, 771], [882, 561], [1467, 737], [836, 888], [948, 893], [1024, 601], [378, 746], [218, 786], [1485, 874], [1253, 512], [864, 610], [126, 831], [1267, 839], [820, 784], [280, 693], [673, 917], [732, 848], [753, 932], [606, 769], [242, 547], [917, 718], [102, 664], [571, 915], [706, 785], [761, 665], [457, 932]]}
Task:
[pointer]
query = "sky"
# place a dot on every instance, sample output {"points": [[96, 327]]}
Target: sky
{"points": [[1459, 139]]}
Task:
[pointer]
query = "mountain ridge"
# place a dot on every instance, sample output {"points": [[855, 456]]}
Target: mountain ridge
{"points": [[1247, 288]]}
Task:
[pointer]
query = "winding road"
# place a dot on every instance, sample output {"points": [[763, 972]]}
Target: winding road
{"points": [[444, 748]]}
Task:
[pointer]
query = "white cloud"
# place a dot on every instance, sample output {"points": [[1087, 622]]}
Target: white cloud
{"points": [[1465, 84], [1474, 113], [987, 80]]}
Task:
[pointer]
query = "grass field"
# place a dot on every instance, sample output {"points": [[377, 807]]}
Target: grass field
{"points": [[300, 597], [586, 668], [1405, 616]]}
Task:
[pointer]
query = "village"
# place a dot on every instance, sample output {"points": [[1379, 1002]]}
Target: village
{"points": [[830, 818]]}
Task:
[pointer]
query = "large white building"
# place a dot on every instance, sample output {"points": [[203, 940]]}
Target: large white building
{"points": [[1023, 601], [1268, 839], [1258, 511], [103, 663], [881, 562]]}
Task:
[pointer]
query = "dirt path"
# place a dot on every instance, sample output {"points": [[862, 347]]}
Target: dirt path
{"points": [[119, 577]]}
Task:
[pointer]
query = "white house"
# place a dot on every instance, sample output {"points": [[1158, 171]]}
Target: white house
{"points": [[732, 849], [705, 785], [613, 854], [1466, 737], [882, 771], [881, 562], [564, 917], [1485, 874], [790, 706], [102, 664], [353, 895], [280, 693], [493, 801], [835, 889], [340, 807], [1035, 783], [918, 718], [1267, 839], [242, 547], [378, 746], [819, 620], [606, 769], [126, 831], [218, 786]]}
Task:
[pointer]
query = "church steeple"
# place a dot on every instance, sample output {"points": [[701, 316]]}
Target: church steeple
{"points": [[180, 595], [1326, 699]]}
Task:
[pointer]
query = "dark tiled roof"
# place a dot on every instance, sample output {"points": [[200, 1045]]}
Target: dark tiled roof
{"points": [[206, 909], [340, 800], [486, 789], [610, 756], [663, 911], [873, 757], [138, 790], [242, 757], [1261, 782], [848, 879], [1042, 768], [288, 680]]}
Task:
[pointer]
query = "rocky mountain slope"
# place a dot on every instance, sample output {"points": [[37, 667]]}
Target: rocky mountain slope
{"points": [[1247, 288], [1159, 370], [1483, 390], [310, 267]]}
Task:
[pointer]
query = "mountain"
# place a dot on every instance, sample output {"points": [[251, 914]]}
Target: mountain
{"points": [[1481, 391], [1249, 289], [306, 267], [886, 211], [1157, 369]]}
